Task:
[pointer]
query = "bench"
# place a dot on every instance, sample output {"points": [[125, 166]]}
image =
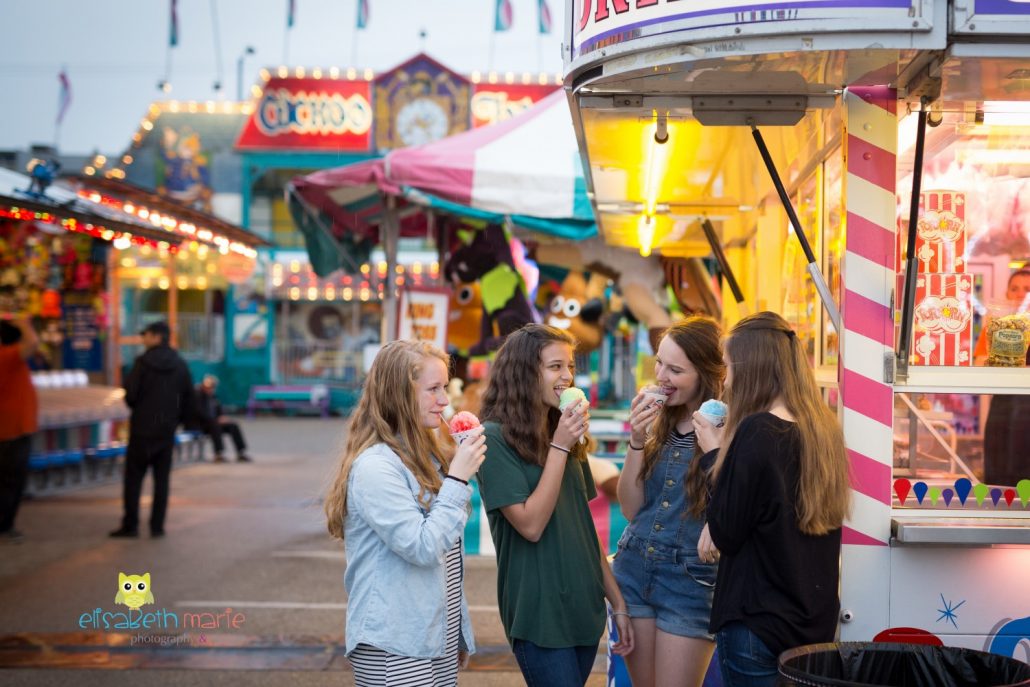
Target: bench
{"points": [[276, 397], [189, 446]]}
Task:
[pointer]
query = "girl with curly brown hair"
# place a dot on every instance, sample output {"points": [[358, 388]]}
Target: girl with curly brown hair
{"points": [[552, 576]]}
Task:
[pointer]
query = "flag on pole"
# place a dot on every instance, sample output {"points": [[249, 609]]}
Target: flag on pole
{"points": [[64, 97], [543, 16], [291, 10], [503, 15], [173, 33], [362, 14]]}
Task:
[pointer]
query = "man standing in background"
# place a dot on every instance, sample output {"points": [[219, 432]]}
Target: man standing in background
{"points": [[19, 418], [159, 390]]}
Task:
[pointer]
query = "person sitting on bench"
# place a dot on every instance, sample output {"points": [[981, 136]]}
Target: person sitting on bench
{"points": [[212, 422]]}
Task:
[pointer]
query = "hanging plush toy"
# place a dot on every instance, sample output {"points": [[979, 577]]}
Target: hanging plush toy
{"points": [[577, 308], [50, 305], [83, 280], [466, 317], [487, 258]]}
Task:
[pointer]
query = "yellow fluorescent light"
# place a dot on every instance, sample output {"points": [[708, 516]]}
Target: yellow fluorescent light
{"points": [[645, 234], [657, 160]]}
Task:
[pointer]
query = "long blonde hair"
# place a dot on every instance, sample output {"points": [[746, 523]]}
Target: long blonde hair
{"points": [[388, 413], [768, 362]]}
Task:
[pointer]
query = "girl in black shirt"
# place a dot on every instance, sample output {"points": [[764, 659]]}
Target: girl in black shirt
{"points": [[780, 493]]}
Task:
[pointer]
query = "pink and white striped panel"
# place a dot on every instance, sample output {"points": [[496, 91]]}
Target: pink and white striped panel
{"points": [[868, 336]]}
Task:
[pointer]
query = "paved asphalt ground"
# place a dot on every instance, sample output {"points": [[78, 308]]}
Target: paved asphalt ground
{"points": [[249, 537]]}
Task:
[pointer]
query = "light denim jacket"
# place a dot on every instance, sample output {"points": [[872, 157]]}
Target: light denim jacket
{"points": [[396, 549]]}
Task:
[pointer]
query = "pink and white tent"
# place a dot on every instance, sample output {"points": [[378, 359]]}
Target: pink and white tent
{"points": [[527, 167]]}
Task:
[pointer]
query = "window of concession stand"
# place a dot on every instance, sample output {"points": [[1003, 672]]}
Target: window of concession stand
{"points": [[735, 116]]}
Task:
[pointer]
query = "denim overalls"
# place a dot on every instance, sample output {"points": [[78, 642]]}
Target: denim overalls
{"points": [[656, 565]]}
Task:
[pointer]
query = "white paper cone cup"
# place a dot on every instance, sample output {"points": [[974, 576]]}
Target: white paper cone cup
{"points": [[717, 420], [459, 437]]}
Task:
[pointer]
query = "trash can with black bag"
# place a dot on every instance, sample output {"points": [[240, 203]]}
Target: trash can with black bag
{"points": [[898, 665]]}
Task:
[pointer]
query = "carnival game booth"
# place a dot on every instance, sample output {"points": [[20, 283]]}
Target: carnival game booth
{"points": [[887, 243], [56, 252], [187, 286]]}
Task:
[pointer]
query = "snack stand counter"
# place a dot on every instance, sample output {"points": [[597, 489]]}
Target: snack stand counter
{"points": [[733, 113]]}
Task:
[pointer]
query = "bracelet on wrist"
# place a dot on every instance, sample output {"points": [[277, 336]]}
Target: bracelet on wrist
{"points": [[618, 613], [635, 448], [560, 448], [457, 479]]}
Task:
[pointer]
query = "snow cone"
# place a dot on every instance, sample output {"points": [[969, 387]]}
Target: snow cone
{"points": [[570, 396], [461, 426], [714, 411]]}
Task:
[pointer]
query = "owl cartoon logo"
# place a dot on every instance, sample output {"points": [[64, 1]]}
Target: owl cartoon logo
{"points": [[134, 590]]}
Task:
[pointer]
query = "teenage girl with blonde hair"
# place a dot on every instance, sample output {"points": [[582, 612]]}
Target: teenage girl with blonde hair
{"points": [[400, 501], [780, 493]]}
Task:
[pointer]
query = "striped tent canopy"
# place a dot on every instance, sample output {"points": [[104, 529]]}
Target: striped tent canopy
{"points": [[526, 169]]}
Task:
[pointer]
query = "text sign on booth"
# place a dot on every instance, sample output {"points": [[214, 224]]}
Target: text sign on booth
{"points": [[492, 103], [600, 24], [321, 114], [423, 315]]}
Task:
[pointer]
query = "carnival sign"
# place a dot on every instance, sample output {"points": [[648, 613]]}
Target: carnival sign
{"points": [[603, 24], [423, 315], [492, 103], [310, 114]]}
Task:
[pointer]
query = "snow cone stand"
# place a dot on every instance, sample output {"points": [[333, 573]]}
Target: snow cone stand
{"points": [[865, 166]]}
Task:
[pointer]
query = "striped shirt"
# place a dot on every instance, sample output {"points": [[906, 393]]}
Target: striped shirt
{"points": [[374, 667]]}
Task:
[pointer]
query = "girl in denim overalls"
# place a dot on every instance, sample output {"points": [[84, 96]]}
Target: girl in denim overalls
{"points": [[668, 590]]}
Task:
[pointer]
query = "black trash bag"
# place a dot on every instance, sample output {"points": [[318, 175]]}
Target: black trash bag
{"points": [[898, 665]]}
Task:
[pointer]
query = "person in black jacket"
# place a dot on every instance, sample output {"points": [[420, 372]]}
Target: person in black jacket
{"points": [[210, 419], [159, 390]]}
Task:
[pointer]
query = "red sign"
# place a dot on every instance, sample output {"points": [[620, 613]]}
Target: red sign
{"points": [[492, 103], [311, 114]]}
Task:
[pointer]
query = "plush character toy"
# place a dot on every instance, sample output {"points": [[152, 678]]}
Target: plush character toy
{"points": [[487, 258], [466, 317], [577, 308], [50, 305], [83, 279]]}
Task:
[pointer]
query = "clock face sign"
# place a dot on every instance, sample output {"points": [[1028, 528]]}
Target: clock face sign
{"points": [[420, 121]]}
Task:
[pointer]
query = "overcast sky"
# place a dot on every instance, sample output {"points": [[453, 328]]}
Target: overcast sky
{"points": [[115, 52]]}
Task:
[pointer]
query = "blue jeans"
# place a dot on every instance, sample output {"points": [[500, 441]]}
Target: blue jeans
{"points": [[744, 660], [543, 667]]}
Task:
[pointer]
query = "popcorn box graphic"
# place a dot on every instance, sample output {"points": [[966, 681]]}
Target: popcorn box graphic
{"points": [[943, 325], [940, 234]]}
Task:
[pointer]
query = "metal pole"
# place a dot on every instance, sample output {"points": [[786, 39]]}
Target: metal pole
{"points": [[813, 267], [724, 265], [911, 267], [390, 233]]}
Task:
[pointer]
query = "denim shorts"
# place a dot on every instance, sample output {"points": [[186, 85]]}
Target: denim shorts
{"points": [[670, 585]]}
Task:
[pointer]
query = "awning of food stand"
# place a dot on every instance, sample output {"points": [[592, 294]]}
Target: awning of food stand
{"points": [[526, 169], [64, 207], [184, 221]]}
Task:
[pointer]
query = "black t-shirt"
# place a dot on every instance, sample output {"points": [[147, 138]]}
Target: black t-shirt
{"points": [[779, 582]]}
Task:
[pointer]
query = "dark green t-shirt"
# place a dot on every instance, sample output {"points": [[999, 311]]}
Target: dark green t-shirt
{"points": [[550, 592]]}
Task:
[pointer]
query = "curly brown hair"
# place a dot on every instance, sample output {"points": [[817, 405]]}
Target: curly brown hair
{"points": [[512, 397]]}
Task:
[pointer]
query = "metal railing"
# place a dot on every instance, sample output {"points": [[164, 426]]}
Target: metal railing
{"points": [[304, 362]]}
